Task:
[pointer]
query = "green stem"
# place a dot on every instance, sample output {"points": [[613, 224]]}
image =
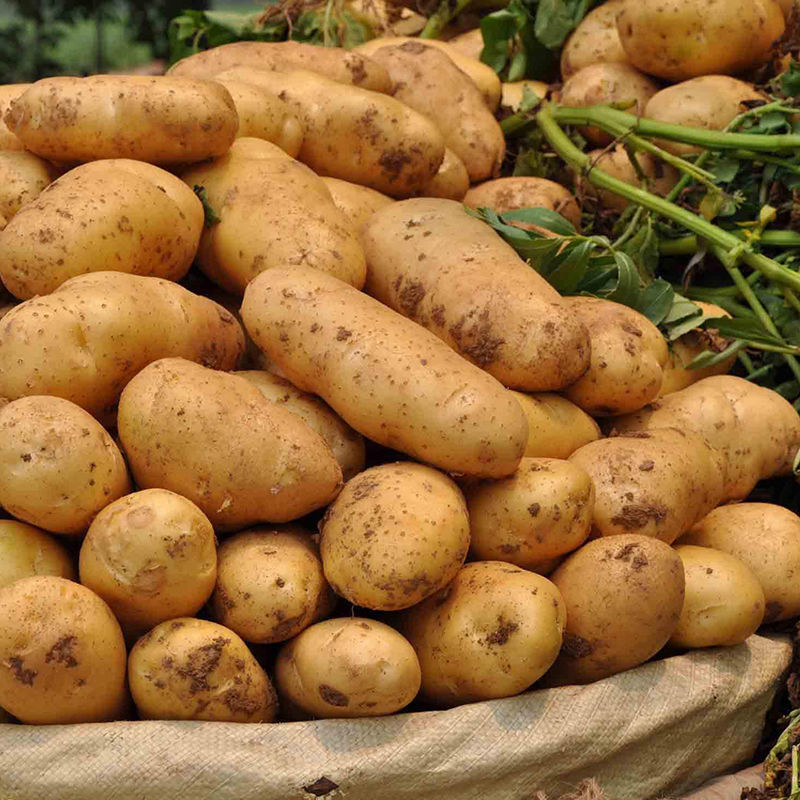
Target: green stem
{"points": [[747, 363], [792, 299], [688, 245], [630, 228], [440, 18], [746, 155]]}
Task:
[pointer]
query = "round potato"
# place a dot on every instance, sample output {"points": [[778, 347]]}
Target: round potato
{"points": [[492, 632], [26, 551], [396, 534], [195, 669], [151, 556], [724, 601], [623, 599], [766, 538], [58, 466], [594, 41], [62, 654], [514, 92], [270, 584], [8, 93], [347, 668], [538, 514], [469, 43], [450, 182], [23, 177], [357, 203]]}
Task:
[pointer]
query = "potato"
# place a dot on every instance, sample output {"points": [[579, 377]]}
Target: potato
{"points": [[628, 355], [656, 483], [173, 417], [333, 62], [23, 177], [58, 467], [541, 512], [357, 203], [270, 584], [385, 376], [604, 84], [62, 655], [556, 427], [484, 76], [395, 535], [26, 551], [8, 93], [5, 717], [101, 330], [195, 669], [724, 601], [257, 181], [353, 134], [623, 599], [349, 667], [451, 273], [494, 631], [264, 115], [161, 120], [710, 102], [509, 194], [428, 81], [594, 41], [514, 92], [469, 43], [107, 214], [680, 39], [151, 556], [766, 538], [451, 180]]}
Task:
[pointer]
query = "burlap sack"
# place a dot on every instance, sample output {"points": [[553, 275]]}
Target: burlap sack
{"points": [[664, 728]]}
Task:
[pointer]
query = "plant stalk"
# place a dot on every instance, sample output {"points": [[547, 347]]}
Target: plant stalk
{"points": [[688, 245], [438, 21]]}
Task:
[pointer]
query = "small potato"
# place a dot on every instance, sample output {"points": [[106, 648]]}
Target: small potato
{"points": [[450, 182], [604, 84], [396, 534], [348, 667], [594, 41], [23, 177], [657, 483], [58, 466], [26, 551], [62, 655], [194, 669], [538, 514], [357, 203], [724, 601], [161, 120], [469, 43], [494, 631], [270, 584], [556, 427], [766, 538], [8, 93], [151, 556], [623, 599], [514, 92]]}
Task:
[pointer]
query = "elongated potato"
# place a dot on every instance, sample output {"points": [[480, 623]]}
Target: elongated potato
{"points": [[155, 119], [556, 427], [514, 92], [100, 216], [451, 181], [333, 62], [23, 176], [594, 41], [357, 203], [449, 272], [101, 330], [388, 378], [8, 93], [173, 417], [26, 551]]}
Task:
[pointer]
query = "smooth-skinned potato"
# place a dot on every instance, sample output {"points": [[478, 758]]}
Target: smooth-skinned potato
{"points": [[58, 466], [469, 43], [8, 93], [23, 177], [357, 203], [62, 654], [26, 551], [451, 181], [514, 92], [595, 40], [387, 377]]}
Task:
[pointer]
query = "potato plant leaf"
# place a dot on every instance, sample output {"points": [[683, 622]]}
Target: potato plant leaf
{"points": [[211, 216]]}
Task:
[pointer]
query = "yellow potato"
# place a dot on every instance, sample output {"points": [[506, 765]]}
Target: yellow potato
{"points": [[514, 92], [357, 203], [594, 41], [469, 43], [384, 375], [431, 261], [156, 119], [26, 551], [8, 93], [23, 176], [58, 467], [451, 180]]}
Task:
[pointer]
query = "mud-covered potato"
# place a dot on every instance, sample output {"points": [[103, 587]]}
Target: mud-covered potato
{"points": [[451, 181], [514, 92], [195, 669], [357, 203], [594, 41], [270, 584], [62, 655], [26, 551], [23, 177], [8, 93], [396, 534], [348, 667]]}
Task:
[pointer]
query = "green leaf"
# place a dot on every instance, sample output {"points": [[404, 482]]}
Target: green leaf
{"points": [[656, 301], [568, 275], [211, 216], [627, 290], [709, 358], [725, 169], [543, 218], [740, 328], [498, 30], [556, 19], [790, 80]]}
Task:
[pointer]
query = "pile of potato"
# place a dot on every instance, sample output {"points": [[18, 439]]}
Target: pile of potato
{"points": [[328, 447]]}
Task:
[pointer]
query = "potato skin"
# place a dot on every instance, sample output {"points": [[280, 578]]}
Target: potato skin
{"points": [[514, 92], [23, 177], [449, 272], [8, 93], [160, 120], [151, 556], [58, 467], [62, 655], [101, 330], [357, 203], [680, 39], [469, 43], [451, 180], [594, 41], [766, 538], [26, 551], [724, 601], [623, 599], [540, 513], [385, 376], [492, 632], [396, 534], [195, 669]]}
